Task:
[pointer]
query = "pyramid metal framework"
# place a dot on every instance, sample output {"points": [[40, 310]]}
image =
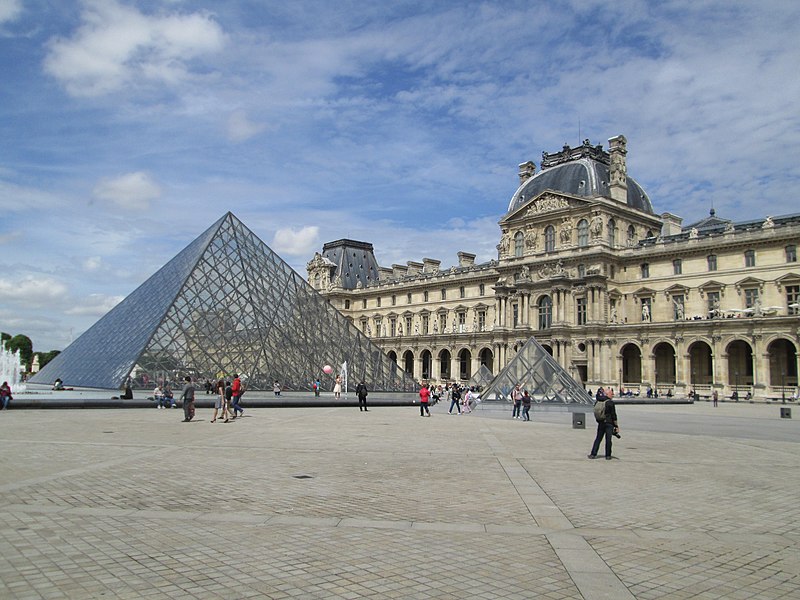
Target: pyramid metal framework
{"points": [[225, 304], [481, 378], [536, 371]]}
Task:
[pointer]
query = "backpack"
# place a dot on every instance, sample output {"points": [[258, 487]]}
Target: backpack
{"points": [[600, 411]]}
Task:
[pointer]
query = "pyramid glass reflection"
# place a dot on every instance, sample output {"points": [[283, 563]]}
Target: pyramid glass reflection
{"points": [[225, 304], [539, 373]]}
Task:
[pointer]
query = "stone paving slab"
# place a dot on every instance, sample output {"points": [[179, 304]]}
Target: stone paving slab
{"points": [[334, 503]]}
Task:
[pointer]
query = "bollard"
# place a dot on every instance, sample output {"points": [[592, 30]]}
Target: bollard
{"points": [[578, 420], [786, 412]]}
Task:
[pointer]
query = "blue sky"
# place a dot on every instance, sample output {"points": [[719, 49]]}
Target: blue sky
{"points": [[128, 127]]}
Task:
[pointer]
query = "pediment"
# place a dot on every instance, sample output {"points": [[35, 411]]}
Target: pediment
{"points": [[749, 282], [644, 292], [788, 279], [544, 203]]}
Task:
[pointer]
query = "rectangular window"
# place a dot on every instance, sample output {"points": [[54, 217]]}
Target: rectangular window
{"points": [[442, 322], [378, 325], [580, 304], [394, 300], [791, 253], [462, 292], [392, 327], [482, 290], [425, 296], [444, 294], [713, 304], [408, 326], [364, 303], [677, 266], [793, 299], [515, 312], [346, 304], [750, 258], [462, 322], [750, 297], [408, 298], [581, 270], [425, 324], [378, 301], [712, 262], [645, 271], [481, 320]]}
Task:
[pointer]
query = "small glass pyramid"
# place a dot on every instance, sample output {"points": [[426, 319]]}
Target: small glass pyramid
{"points": [[481, 379], [539, 373], [225, 304]]}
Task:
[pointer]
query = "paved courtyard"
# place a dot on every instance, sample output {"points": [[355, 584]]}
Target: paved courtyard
{"points": [[334, 503]]}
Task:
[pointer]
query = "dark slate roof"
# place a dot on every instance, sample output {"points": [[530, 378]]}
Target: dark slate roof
{"points": [[586, 177], [355, 261]]}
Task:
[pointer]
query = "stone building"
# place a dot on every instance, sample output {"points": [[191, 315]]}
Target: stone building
{"points": [[618, 294]]}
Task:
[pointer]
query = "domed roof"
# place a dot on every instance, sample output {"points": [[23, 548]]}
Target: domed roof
{"points": [[582, 171]]}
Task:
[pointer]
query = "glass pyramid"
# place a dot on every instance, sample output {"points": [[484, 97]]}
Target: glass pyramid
{"points": [[225, 304], [481, 379], [539, 373]]}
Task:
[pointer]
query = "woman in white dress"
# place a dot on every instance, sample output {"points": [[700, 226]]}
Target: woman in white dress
{"points": [[337, 388]]}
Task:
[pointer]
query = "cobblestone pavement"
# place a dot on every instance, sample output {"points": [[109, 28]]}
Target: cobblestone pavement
{"points": [[335, 503]]}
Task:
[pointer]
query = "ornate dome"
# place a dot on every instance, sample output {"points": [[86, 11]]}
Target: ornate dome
{"points": [[582, 171]]}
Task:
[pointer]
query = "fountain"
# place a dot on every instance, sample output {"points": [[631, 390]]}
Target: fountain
{"points": [[11, 369]]}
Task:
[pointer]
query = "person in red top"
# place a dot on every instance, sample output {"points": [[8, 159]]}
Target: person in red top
{"points": [[424, 396], [236, 394]]}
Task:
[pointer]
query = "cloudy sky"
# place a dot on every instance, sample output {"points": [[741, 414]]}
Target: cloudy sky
{"points": [[128, 127]]}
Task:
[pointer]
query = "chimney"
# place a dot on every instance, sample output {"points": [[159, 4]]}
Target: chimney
{"points": [[671, 224], [430, 265], [526, 171], [414, 268], [399, 271], [618, 169], [465, 259]]}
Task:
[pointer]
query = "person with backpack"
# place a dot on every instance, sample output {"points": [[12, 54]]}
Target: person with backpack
{"points": [[605, 413], [516, 396], [361, 392]]}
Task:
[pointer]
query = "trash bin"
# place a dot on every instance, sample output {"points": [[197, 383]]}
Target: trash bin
{"points": [[786, 412], [579, 420]]}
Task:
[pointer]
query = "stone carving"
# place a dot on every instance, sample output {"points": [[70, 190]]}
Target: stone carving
{"points": [[525, 275], [645, 312], [614, 314], [597, 226], [768, 223], [693, 233], [551, 270], [504, 245], [547, 203], [729, 227], [566, 231], [530, 238]]}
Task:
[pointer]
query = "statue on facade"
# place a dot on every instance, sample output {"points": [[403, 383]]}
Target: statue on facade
{"points": [[679, 314], [614, 314], [768, 223], [597, 226], [525, 275], [505, 244], [645, 312], [530, 238], [566, 231], [693, 233]]}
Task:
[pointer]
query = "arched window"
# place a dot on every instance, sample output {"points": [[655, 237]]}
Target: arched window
{"points": [[545, 305], [519, 244], [549, 239], [583, 233], [631, 234], [612, 232]]}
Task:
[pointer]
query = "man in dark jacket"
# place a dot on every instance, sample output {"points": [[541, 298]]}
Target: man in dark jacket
{"points": [[187, 395], [361, 392], [605, 427]]}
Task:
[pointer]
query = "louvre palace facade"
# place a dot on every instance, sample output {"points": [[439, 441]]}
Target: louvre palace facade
{"points": [[619, 295]]}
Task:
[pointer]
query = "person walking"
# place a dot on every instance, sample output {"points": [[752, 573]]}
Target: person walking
{"points": [[237, 390], [516, 396], [5, 395], [715, 397], [455, 400], [361, 392], [424, 397], [220, 405], [605, 413], [526, 406], [187, 397]]}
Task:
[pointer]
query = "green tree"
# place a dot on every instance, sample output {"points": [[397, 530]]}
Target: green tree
{"points": [[46, 357], [24, 345]]}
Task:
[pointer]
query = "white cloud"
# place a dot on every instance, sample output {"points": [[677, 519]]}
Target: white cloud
{"points": [[9, 10], [132, 191], [118, 45], [31, 291], [92, 263], [296, 241], [240, 128], [95, 305]]}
